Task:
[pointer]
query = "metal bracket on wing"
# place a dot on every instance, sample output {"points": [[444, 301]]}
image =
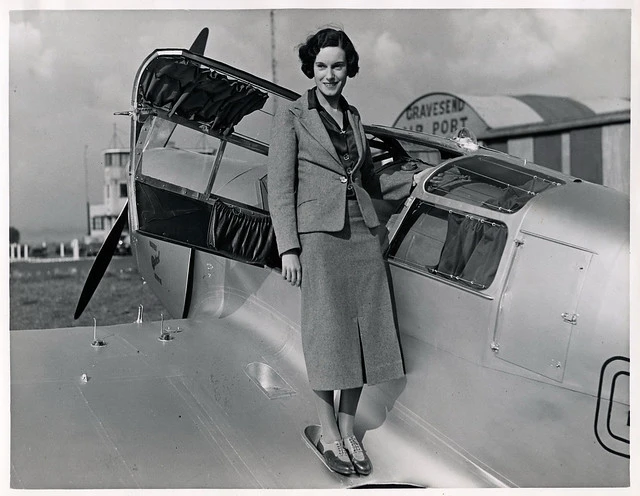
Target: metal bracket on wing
{"points": [[96, 343]]}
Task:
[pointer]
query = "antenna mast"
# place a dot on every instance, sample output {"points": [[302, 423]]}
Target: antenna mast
{"points": [[273, 46], [86, 190], [274, 78]]}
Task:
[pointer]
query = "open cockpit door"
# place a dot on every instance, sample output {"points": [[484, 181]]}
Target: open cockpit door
{"points": [[204, 94], [200, 137], [176, 85]]}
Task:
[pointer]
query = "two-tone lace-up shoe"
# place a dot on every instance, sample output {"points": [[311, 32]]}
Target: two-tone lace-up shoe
{"points": [[335, 457], [359, 458]]}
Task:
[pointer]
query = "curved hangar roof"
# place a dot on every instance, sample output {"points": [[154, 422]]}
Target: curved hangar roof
{"points": [[505, 116]]}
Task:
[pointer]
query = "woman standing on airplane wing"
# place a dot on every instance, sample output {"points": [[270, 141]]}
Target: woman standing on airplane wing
{"points": [[321, 182]]}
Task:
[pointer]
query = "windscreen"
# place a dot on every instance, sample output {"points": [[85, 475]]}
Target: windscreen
{"points": [[490, 182], [178, 155]]}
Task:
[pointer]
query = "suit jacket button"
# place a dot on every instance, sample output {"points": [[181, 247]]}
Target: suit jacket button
{"points": [[346, 156], [348, 170], [343, 179]]}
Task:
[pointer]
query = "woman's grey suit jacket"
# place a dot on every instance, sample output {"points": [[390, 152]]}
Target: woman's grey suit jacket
{"points": [[307, 183]]}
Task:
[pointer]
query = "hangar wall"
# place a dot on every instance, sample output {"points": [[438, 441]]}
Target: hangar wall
{"points": [[589, 139]]}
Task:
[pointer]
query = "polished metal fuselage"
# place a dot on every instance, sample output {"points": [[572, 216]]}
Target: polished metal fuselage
{"points": [[507, 384]]}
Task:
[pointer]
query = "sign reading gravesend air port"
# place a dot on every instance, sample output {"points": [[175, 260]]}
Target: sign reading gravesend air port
{"points": [[441, 114]]}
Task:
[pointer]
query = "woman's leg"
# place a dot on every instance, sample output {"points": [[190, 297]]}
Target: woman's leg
{"points": [[349, 399], [330, 443], [327, 415]]}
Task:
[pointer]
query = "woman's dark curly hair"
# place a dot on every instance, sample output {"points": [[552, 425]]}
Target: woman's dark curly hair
{"points": [[327, 37]]}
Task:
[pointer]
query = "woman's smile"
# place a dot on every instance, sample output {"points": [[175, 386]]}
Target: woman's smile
{"points": [[330, 72]]}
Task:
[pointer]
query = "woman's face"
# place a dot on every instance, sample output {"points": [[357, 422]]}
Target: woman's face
{"points": [[330, 71]]}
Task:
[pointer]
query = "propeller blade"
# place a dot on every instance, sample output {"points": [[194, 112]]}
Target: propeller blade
{"points": [[200, 42], [101, 262]]}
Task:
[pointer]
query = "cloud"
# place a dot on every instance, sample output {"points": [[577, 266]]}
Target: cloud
{"points": [[388, 49], [493, 44], [539, 51], [111, 89], [25, 42]]}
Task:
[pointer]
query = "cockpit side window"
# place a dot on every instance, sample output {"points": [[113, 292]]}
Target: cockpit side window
{"points": [[178, 155], [490, 182], [456, 246], [196, 190], [238, 176], [185, 161]]}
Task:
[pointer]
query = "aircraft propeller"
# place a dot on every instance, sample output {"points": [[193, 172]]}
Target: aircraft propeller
{"points": [[108, 248], [102, 261], [200, 42]]}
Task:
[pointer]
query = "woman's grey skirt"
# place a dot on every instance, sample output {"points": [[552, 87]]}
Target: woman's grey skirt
{"points": [[348, 332]]}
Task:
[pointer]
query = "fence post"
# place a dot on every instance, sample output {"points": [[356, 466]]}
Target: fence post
{"points": [[75, 246]]}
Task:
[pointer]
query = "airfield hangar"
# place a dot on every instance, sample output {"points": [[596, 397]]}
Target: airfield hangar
{"points": [[589, 139]]}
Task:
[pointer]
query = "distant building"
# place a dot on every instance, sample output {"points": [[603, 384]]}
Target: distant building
{"points": [[589, 139], [103, 216]]}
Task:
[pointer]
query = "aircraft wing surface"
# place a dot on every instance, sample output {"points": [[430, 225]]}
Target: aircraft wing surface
{"points": [[151, 414], [222, 405]]}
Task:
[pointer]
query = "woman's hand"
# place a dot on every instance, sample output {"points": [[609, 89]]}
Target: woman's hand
{"points": [[291, 269]]}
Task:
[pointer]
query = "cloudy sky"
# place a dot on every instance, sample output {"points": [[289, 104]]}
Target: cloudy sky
{"points": [[70, 70]]}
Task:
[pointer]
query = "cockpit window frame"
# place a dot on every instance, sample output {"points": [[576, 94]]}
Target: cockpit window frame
{"points": [[500, 194], [405, 225]]}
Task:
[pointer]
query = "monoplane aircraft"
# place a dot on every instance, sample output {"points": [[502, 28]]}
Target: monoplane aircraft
{"points": [[510, 285]]}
